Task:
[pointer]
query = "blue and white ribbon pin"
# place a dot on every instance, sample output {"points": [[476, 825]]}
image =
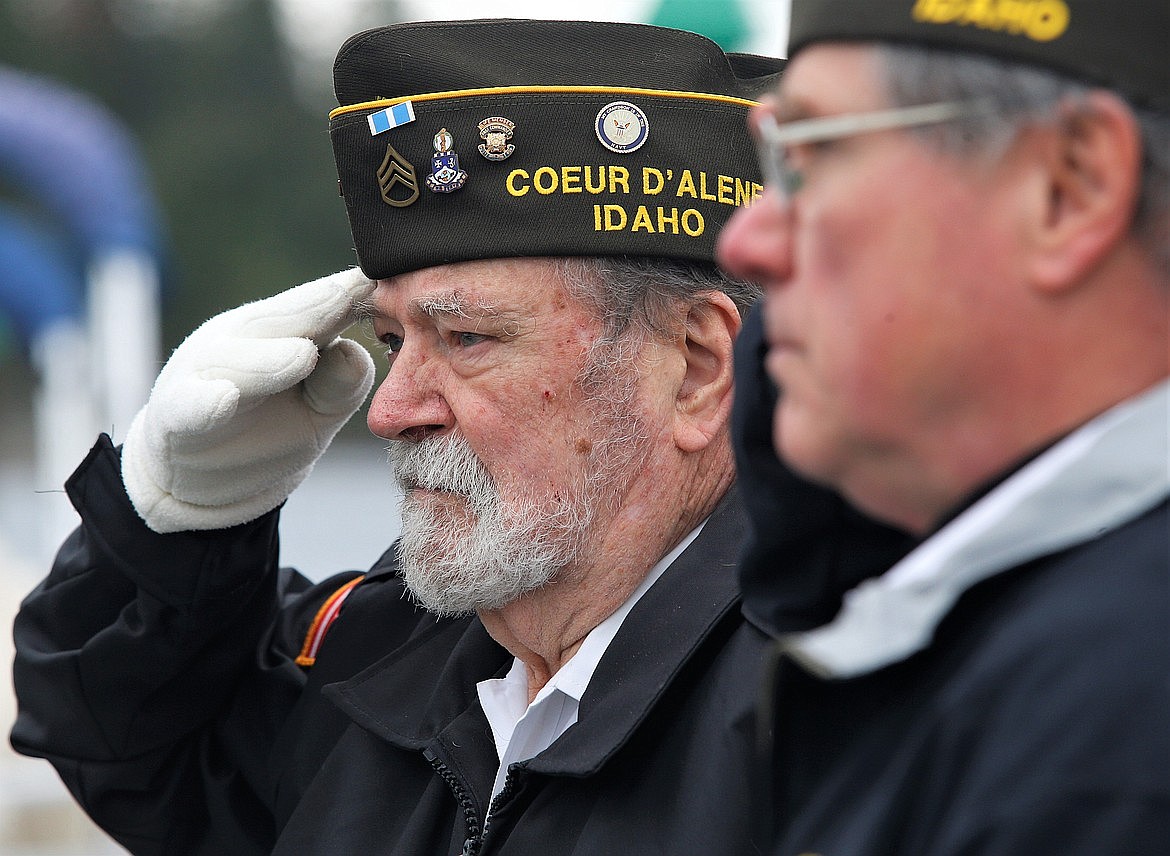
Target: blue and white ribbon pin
{"points": [[391, 117]]}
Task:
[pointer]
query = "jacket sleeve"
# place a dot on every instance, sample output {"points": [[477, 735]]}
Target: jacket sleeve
{"points": [[153, 671]]}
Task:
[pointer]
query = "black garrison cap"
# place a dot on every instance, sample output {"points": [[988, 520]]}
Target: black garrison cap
{"points": [[1123, 46], [495, 138]]}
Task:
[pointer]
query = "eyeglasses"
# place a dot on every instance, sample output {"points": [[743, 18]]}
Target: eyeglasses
{"points": [[773, 138]]}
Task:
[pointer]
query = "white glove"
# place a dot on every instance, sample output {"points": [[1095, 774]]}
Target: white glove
{"points": [[246, 405]]}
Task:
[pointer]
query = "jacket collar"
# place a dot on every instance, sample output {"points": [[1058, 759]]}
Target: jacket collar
{"points": [[429, 684], [1107, 473]]}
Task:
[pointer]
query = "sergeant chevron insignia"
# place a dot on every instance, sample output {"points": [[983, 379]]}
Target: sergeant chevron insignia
{"points": [[397, 179]]}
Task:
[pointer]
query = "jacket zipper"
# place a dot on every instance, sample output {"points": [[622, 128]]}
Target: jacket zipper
{"points": [[505, 792], [474, 834]]}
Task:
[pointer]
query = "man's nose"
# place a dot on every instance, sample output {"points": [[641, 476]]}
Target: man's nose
{"points": [[409, 404], [756, 243]]}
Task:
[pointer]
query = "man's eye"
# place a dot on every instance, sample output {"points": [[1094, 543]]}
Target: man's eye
{"points": [[804, 153], [392, 341], [467, 340]]}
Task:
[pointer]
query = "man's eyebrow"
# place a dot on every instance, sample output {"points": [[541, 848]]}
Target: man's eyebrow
{"points": [[365, 310], [449, 305], [792, 110], [452, 305]]}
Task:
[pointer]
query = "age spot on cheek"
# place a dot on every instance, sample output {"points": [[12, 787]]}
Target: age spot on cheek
{"points": [[584, 446]]}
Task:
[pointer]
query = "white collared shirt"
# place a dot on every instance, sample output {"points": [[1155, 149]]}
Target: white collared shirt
{"points": [[523, 730], [1102, 475]]}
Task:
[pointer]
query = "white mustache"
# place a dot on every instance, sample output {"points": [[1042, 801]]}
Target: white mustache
{"points": [[445, 463]]}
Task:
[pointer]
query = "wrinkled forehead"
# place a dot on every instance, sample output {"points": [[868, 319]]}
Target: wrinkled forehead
{"points": [[485, 287], [831, 78]]}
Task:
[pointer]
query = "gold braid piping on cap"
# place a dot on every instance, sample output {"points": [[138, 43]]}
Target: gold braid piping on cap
{"points": [[541, 90]]}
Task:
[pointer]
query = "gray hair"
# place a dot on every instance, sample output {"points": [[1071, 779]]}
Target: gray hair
{"points": [[634, 295], [639, 299], [1019, 95]]}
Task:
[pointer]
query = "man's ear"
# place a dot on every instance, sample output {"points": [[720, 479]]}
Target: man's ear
{"points": [[703, 399], [1093, 159]]}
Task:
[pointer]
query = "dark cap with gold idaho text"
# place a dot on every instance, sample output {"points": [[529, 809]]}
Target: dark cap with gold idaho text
{"points": [[497, 138], [1120, 46]]}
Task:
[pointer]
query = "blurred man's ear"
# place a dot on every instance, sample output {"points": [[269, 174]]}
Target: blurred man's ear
{"points": [[1093, 158], [703, 399]]}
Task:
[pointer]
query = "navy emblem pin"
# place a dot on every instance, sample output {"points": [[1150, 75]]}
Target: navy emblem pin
{"points": [[621, 127], [397, 180], [446, 175], [495, 132]]}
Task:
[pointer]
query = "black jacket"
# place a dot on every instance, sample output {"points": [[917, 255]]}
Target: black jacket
{"points": [[157, 673], [1014, 699]]}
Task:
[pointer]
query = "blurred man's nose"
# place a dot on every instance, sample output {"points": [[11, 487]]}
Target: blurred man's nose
{"points": [[756, 243]]}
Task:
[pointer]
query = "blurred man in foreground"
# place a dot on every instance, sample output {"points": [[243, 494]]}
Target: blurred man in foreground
{"points": [[965, 249]]}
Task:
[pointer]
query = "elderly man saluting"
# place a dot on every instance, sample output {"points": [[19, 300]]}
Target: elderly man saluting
{"points": [[965, 249], [552, 659]]}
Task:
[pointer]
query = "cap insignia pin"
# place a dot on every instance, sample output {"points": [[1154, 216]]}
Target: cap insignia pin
{"points": [[621, 127], [495, 132], [446, 176], [394, 171]]}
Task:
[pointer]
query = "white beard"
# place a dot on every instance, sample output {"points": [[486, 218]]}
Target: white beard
{"points": [[477, 552]]}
